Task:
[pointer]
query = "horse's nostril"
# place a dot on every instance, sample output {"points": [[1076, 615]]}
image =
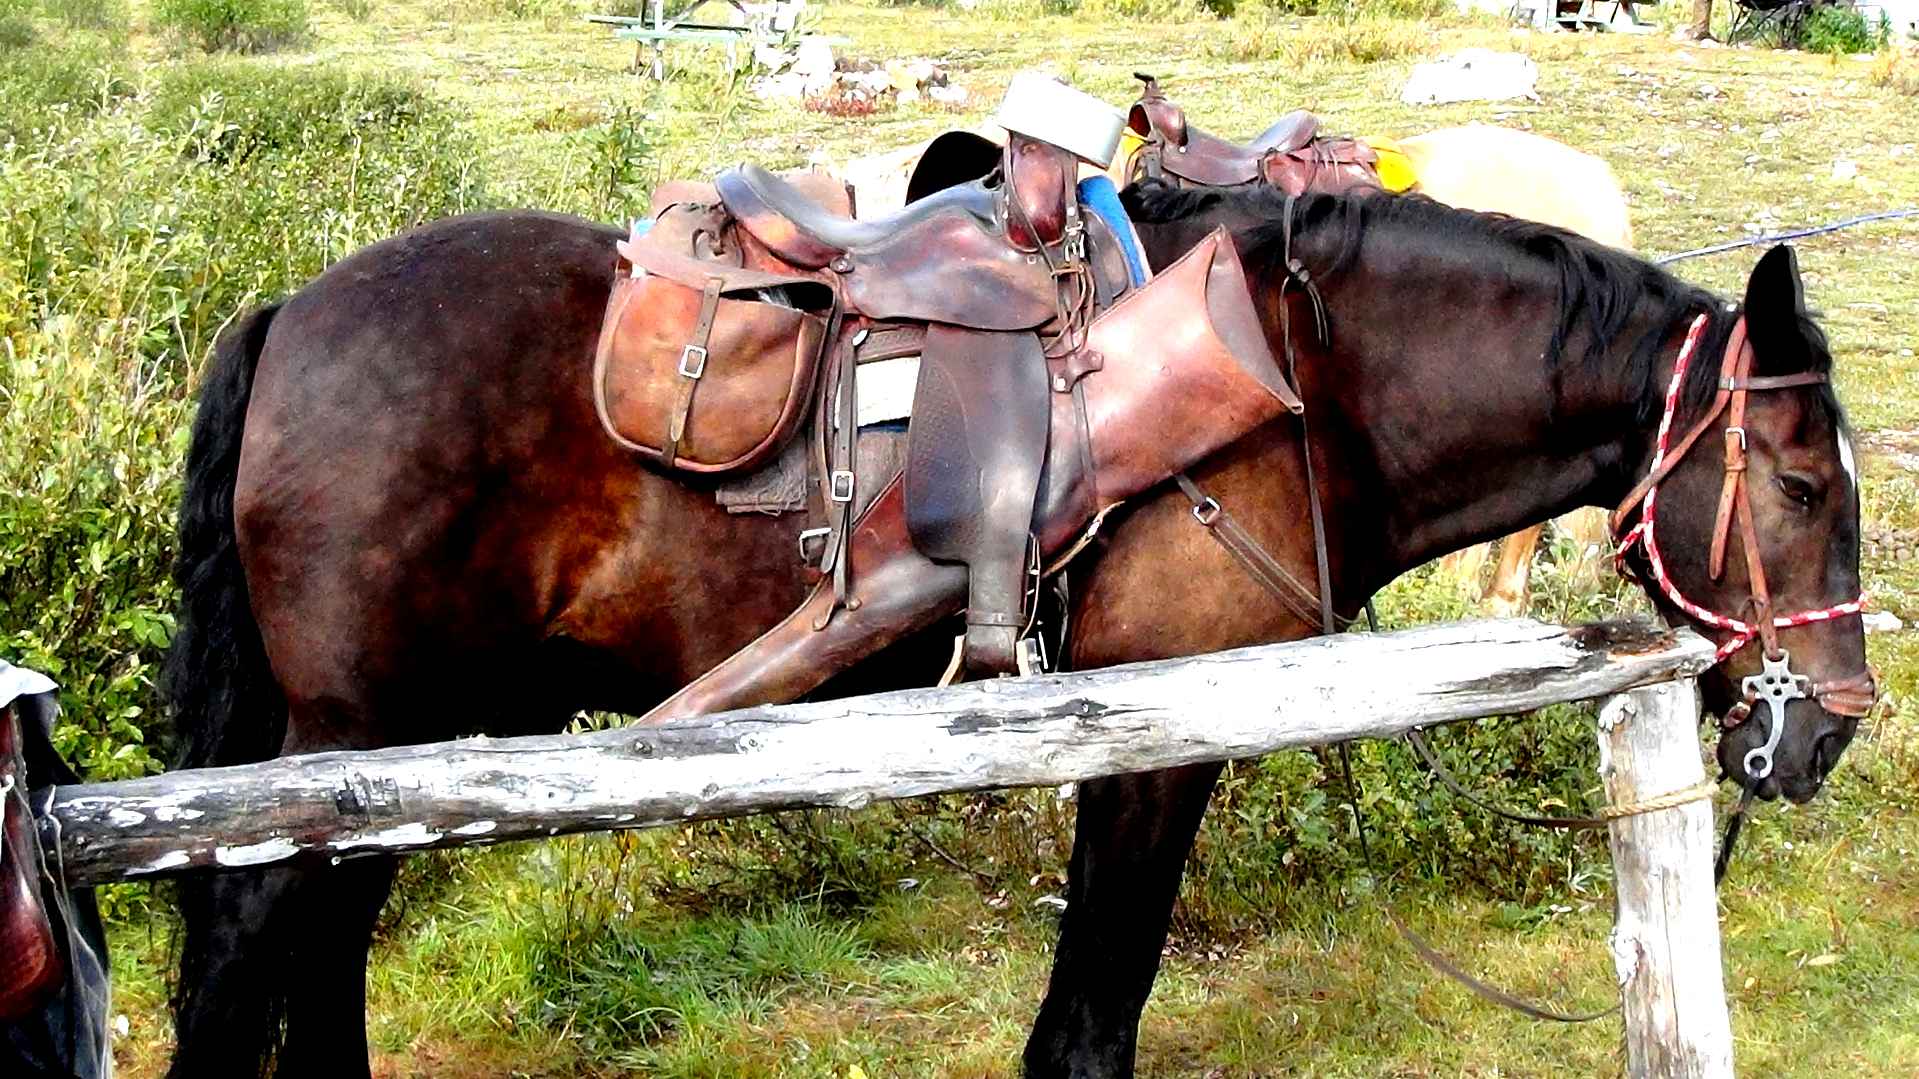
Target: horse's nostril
{"points": [[1825, 755]]}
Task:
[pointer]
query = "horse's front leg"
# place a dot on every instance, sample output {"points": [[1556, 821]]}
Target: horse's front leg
{"points": [[1129, 849]]}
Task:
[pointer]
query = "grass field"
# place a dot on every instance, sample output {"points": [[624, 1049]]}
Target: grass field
{"points": [[699, 954]]}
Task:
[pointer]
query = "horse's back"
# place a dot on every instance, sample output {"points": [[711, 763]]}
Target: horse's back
{"points": [[425, 491], [1498, 169]]}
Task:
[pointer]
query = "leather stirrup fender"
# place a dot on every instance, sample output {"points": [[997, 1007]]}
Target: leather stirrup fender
{"points": [[902, 592], [974, 455]]}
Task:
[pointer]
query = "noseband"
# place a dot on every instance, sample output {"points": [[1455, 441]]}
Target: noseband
{"points": [[1776, 683]]}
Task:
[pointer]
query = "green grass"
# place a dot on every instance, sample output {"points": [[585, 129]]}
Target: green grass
{"points": [[793, 946]]}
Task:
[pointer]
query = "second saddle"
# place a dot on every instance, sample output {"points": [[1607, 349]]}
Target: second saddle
{"points": [[1291, 155]]}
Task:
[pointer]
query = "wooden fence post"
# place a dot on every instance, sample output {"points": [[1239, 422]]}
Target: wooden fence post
{"points": [[1666, 942]]}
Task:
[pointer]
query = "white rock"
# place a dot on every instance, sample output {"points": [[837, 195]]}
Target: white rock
{"points": [[1472, 75], [947, 95], [814, 57], [1843, 170], [1882, 622]]}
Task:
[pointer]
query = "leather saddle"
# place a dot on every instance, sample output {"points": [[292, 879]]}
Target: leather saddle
{"points": [[1043, 363], [1291, 155]]}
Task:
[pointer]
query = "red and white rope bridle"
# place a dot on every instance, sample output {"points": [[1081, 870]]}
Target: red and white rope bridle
{"points": [[1742, 631], [1853, 695]]}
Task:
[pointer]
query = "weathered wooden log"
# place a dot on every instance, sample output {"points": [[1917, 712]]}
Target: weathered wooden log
{"points": [[1004, 733], [1666, 942]]}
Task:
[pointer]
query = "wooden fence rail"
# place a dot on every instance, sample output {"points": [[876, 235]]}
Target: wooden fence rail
{"points": [[1007, 733]]}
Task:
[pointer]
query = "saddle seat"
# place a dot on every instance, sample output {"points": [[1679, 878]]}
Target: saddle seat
{"points": [[943, 259], [1292, 131], [796, 226]]}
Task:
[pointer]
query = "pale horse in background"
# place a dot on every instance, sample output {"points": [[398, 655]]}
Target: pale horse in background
{"points": [[1478, 167]]}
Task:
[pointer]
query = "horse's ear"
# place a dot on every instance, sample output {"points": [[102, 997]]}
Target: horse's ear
{"points": [[1776, 314]]}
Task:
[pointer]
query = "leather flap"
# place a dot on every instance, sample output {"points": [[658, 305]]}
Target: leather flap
{"points": [[736, 397]]}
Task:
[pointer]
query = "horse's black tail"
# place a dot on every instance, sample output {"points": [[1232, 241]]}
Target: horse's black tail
{"points": [[226, 709]]}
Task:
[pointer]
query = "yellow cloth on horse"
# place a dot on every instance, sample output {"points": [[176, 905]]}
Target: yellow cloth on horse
{"points": [[1396, 170]]}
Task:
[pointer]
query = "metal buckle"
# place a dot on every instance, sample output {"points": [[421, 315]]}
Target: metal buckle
{"points": [[1029, 656], [693, 361], [840, 488], [1775, 684], [1741, 432], [809, 535], [1207, 512]]}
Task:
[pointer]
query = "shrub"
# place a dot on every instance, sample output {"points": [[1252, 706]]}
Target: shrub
{"points": [[1837, 30], [127, 238], [234, 110], [110, 15], [42, 89], [237, 25], [16, 32]]}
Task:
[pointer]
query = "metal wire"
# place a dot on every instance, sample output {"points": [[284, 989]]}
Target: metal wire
{"points": [[1781, 237]]}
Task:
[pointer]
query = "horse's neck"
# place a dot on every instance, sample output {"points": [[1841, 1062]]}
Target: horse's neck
{"points": [[1450, 425]]}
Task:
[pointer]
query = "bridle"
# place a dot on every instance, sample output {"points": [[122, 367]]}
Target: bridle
{"points": [[1776, 683]]}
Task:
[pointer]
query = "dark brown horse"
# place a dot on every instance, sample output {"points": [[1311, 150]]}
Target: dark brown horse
{"points": [[403, 523]]}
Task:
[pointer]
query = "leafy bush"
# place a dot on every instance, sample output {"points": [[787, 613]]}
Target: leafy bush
{"points": [[1837, 30], [16, 32], [234, 110], [238, 25], [128, 237], [42, 89], [109, 15]]}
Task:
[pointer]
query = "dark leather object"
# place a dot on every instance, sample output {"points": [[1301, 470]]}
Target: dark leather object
{"points": [[1040, 192], [951, 159], [30, 965], [978, 442], [755, 378], [1228, 383], [942, 259]]}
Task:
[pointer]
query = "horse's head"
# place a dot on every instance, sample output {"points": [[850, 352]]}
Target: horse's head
{"points": [[1757, 541]]}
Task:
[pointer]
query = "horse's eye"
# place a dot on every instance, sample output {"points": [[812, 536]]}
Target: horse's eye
{"points": [[1799, 489]]}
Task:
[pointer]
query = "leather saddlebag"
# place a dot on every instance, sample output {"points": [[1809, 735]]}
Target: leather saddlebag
{"points": [[707, 367]]}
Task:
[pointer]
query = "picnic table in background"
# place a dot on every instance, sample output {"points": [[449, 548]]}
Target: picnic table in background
{"points": [[752, 23]]}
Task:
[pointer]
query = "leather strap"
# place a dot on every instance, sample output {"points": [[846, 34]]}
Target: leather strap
{"points": [[692, 366], [1737, 361], [1424, 947], [1417, 739], [1260, 565], [840, 479]]}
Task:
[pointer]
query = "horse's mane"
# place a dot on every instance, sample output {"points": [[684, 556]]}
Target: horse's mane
{"points": [[1600, 287]]}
